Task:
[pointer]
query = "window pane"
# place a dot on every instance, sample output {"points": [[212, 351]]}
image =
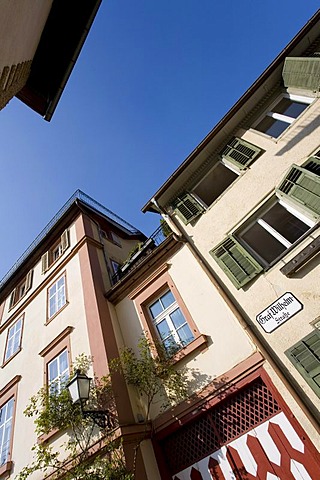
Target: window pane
{"points": [[53, 370], [177, 318], [289, 226], [163, 329], [63, 361], [213, 184], [185, 334], [52, 290], [263, 243], [155, 309], [60, 282], [290, 108], [271, 126], [167, 299]]}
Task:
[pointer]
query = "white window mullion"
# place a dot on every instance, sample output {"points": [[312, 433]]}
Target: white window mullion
{"points": [[281, 117], [274, 233]]}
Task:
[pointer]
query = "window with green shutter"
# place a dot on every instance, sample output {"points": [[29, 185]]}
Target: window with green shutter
{"points": [[302, 72], [305, 355], [187, 208], [236, 262], [301, 186], [240, 153]]}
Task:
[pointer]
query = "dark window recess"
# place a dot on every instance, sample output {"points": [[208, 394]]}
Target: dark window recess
{"points": [[215, 183]]}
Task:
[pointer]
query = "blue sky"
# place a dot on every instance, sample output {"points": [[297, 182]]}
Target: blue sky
{"points": [[152, 80]]}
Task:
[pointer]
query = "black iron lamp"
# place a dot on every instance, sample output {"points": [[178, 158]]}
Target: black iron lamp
{"points": [[79, 389]]}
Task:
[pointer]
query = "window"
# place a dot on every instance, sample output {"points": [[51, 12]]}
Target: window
{"points": [[112, 236], [169, 322], [235, 157], [21, 289], [164, 315], [6, 416], [56, 296], [305, 355], [13, 345], [215, 183], [275, 227], [281, 114], [7, 413], [55, 252], [58, 372], [272, 231], [57, 359]]}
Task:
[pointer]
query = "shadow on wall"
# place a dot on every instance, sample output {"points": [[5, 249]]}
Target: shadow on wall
{"points": [[304, 130]]}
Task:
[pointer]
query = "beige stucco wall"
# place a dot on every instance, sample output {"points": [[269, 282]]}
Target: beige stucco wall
{"points": [[36, 336], [236, 204], [21, 25], [228, 345]]}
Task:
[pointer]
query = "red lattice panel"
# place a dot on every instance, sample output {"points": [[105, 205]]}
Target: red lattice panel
{"points": [[231, 418]]}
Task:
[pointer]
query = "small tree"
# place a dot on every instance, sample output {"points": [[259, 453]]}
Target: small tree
{"points": [[153, 373], [89, 451]]}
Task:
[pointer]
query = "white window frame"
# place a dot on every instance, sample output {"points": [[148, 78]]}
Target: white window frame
{"points": [[57, 383], [165, 315], [279, 116], [55, 295], [272, 231], [16, 328], [6, 431]]}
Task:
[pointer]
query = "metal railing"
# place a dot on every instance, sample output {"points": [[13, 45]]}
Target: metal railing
{"points": [[90, 202], [143, 250]]}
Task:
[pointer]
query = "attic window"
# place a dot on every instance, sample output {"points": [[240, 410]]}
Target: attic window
{"points": [[55, 252], [21, 289]]}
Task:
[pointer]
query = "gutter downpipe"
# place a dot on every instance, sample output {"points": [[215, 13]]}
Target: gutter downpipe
{"points": [[257, 338]]}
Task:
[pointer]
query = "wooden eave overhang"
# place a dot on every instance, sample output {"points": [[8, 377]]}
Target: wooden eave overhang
{"points": [[264, 84], [63, 36]]}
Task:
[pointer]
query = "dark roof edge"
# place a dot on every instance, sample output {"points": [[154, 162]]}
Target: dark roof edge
{"points": [[77, 197], [53, 104], [149, 206]]}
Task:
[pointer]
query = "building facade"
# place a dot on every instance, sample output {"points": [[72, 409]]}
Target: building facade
{"points": [[232, 286], [247, 204]]}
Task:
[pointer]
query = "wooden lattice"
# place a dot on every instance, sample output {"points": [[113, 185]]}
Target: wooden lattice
{"points": [[231, 418]]}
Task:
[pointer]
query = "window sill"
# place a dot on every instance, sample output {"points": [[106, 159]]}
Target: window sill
{"points": [[199, 342], [5, 468], [5, 362], [57, 313], [47, 436]]}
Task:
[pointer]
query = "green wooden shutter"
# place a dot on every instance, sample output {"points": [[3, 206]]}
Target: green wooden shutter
{"points": [[302, 72], [12, 298], [301, 185], [187, 208], [64, 240], [29, 280], [45, 262], [305, 356], [240, 153], [236, 262]]}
